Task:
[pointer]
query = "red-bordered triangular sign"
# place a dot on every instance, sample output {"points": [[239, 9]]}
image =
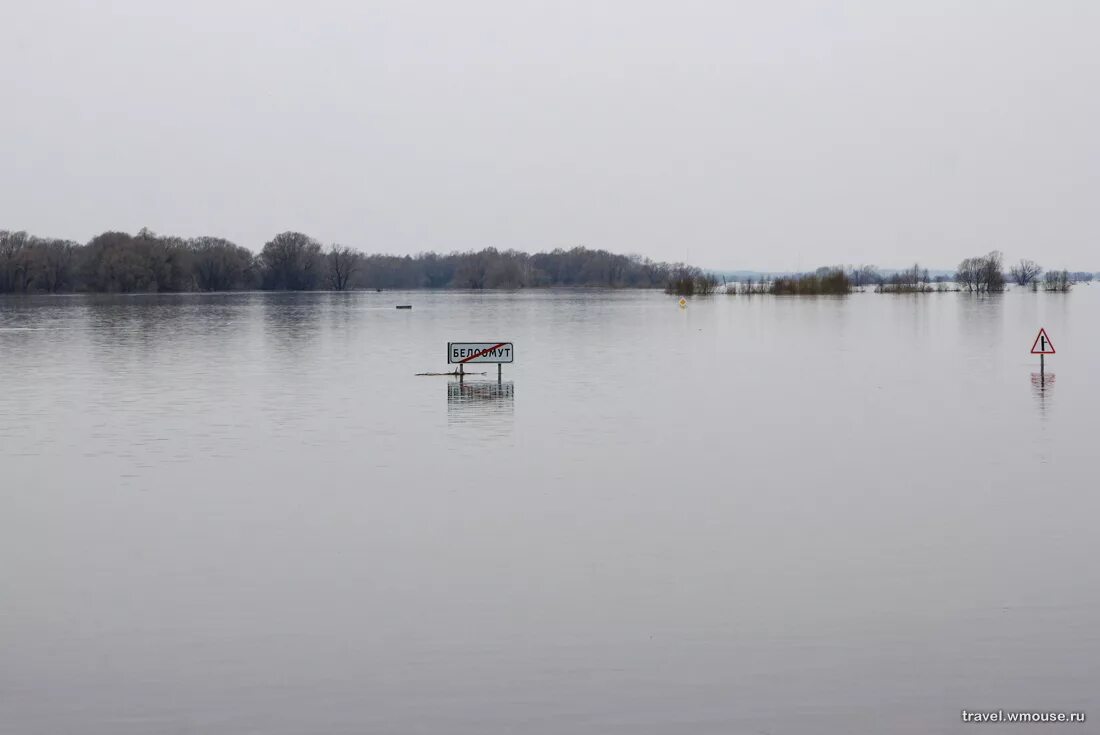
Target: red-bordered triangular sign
{"points": [[1043, 345]]}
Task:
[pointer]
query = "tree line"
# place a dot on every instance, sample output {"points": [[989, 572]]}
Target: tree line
{"points": [[980, 274], [118, 262]]}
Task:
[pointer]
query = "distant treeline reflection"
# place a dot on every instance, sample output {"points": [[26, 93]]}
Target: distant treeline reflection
{"points": [[119, 262]]}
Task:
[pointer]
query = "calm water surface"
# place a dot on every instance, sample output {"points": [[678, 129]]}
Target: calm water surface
{"points": [[239, 514]]}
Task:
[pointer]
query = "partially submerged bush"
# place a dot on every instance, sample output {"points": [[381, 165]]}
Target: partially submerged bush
{"points": [[1057, 281], [691, 281], [910, 280], [825, 282]]}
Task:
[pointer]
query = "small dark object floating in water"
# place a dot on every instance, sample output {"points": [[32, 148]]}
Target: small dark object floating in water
{"points": [[404, 306]]}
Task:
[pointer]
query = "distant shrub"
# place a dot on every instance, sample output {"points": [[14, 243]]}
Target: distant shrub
{"points": [[910, 280], [690, 281], [1057, 281], [865, 275], [825, 282]]}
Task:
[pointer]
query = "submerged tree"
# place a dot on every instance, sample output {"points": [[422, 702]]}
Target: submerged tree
{"points": [[865, 275], [687, 280], [1057, 281], [823, 282], [15, 261], [54, 265], [910, 280], [341, 262], [1025, 272], [291, 261], [982, 274], [220, 265]]}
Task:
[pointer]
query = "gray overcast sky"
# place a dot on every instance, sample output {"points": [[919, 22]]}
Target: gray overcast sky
{"points": [[739, 134]]}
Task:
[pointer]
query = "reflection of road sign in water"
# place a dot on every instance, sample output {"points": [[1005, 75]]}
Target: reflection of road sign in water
{"points": [[1042, 345], [683, 302], [462, 353], [481, 404], [1042, 380], [479, 392]]}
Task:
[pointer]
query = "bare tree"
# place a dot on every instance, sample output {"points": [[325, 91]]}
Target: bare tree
{"points": [[14, 251], [342, 261], [55, 264], [982, 274], [689, 280], [993, 272], [1057, 281], [1025, 272], [967, 274], [865, 275]]}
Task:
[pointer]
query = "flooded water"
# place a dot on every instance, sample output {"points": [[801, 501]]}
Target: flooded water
{"points": [[238, 514]]}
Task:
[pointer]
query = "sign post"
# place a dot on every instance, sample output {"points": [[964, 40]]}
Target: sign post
{"points": [[463, 353], [1042, 347]]}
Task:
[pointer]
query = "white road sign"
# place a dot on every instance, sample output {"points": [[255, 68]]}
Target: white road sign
{"points": [[470, 352]]}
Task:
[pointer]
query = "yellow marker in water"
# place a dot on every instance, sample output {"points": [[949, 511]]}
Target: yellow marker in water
{"points": [[683, 302]]}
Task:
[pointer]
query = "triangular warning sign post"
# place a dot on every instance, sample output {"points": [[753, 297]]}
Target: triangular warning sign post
{"points": [[1043, 345]]}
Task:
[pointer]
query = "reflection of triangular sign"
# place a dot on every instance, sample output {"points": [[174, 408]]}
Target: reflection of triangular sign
{"points": [[1043, 345]]}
